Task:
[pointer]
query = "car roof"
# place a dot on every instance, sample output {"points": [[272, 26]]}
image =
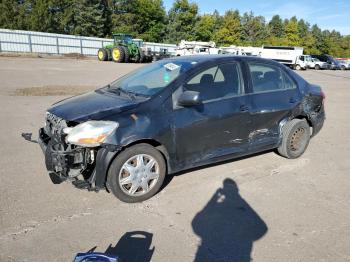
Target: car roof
{"points": [[220, 57]]}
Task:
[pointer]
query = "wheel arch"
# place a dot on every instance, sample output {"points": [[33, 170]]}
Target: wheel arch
{"points": [[105, 158], [304, 117], [156, 144], [299, 116]]}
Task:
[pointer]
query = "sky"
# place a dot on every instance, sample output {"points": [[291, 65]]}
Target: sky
{"points": [[327, 14]]}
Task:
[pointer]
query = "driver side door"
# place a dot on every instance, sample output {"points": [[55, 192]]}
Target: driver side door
{"points": [[216, 127]]}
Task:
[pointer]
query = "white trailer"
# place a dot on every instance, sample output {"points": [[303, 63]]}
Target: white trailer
{"points": [[289, 55]]}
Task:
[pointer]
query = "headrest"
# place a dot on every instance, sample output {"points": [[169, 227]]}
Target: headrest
{"points": [[272, 76], [207, 79]]}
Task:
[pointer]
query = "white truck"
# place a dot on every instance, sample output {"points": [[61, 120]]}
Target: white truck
{"points": [[196, 48], [291, 56]]}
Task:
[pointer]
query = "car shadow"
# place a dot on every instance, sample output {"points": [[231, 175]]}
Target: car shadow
{"points": [[133, 246], [227, 226], [170, 177]]}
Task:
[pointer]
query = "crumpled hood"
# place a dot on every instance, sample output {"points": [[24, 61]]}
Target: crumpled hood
{"points": [[91, 106]]}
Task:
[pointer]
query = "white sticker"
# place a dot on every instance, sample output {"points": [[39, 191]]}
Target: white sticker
{"points": [[171, 66]]}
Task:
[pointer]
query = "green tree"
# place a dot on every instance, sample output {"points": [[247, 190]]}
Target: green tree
{"points": [[230, 31], [41, 17], [142, 18], [303, 28], [87, 18], [204, 28], [317, 34], [182, 19], [291, 32], [345, 46], [14, 14], [276, 27], [218, 20], [253, 29], [8, 11]]}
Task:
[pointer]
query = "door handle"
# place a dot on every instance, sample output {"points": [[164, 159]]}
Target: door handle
{"points": [[292, 100], [244, 108]]}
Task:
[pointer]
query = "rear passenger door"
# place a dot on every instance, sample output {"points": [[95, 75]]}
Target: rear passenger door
{"points": [[273, 95]]}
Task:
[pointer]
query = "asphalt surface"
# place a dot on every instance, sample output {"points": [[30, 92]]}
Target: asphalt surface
{"points": [[264, 207]]}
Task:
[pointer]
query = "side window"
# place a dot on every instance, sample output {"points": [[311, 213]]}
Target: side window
{"points": [[265, 77], [219, 81], [288, 82]]}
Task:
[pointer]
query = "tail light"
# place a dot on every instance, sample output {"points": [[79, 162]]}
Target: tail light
{"points": [[323, 97]]}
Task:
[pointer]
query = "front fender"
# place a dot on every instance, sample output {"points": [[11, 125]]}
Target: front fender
{"points": [[104, 159]]}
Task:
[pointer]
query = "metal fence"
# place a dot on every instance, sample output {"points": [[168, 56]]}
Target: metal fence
{"points": [[38, 42]]}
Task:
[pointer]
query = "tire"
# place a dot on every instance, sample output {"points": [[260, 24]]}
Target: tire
{"points": [[102, 54], [109, 52], [343, 67], [127, 56], [127, 160], [298, 67], [118, 54], [295, 138], [317, 67], [142, 57]]}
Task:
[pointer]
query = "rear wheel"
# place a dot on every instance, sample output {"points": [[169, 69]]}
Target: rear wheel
{"points": [[142, 57], [118, 54], [343, 67], [102, 54], [126, 53], [137, 173], [298, 67], [295, 138]]}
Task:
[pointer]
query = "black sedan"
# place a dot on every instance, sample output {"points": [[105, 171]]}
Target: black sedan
{"points": [[177, 114]]}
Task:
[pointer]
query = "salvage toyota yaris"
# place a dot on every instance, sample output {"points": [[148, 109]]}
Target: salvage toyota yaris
{"points": [[177, 114]]}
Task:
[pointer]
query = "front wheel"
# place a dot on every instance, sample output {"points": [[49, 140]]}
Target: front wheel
{"points": [[137, 173], [295, 138], [118, 54], [102, 54], [317, 67]]}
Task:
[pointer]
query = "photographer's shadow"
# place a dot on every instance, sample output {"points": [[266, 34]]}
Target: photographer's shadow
{"points": [[227, 226]]}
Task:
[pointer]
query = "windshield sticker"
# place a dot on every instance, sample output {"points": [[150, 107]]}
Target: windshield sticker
{"points": [[166, 78], [171, 66]]}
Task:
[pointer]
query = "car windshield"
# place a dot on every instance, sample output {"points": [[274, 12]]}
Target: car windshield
{"points": [[149, 80]]}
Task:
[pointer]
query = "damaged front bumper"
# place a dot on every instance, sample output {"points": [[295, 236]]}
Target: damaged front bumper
{"points": [[86, 168], [65, 164]]}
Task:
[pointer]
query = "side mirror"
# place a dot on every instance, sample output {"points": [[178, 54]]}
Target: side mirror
{"points": [[189, 98]]}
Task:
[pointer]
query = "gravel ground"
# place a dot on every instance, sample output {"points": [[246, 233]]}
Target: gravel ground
{"points": [[264, 207]]}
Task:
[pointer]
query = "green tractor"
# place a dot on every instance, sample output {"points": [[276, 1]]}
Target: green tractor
{"points": [[125, 50]]}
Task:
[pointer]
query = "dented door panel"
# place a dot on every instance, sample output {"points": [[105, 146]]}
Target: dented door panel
{"points": [[211, 130], [267, 111]]}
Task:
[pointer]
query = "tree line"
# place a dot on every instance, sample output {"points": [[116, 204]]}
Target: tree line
{"points": [[148, 19]]}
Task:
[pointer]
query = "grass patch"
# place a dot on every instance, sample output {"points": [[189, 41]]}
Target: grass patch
{"points": [[53, 90]]}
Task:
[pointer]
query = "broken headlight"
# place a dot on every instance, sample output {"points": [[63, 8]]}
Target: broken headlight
{"points": [[90, 133]]}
